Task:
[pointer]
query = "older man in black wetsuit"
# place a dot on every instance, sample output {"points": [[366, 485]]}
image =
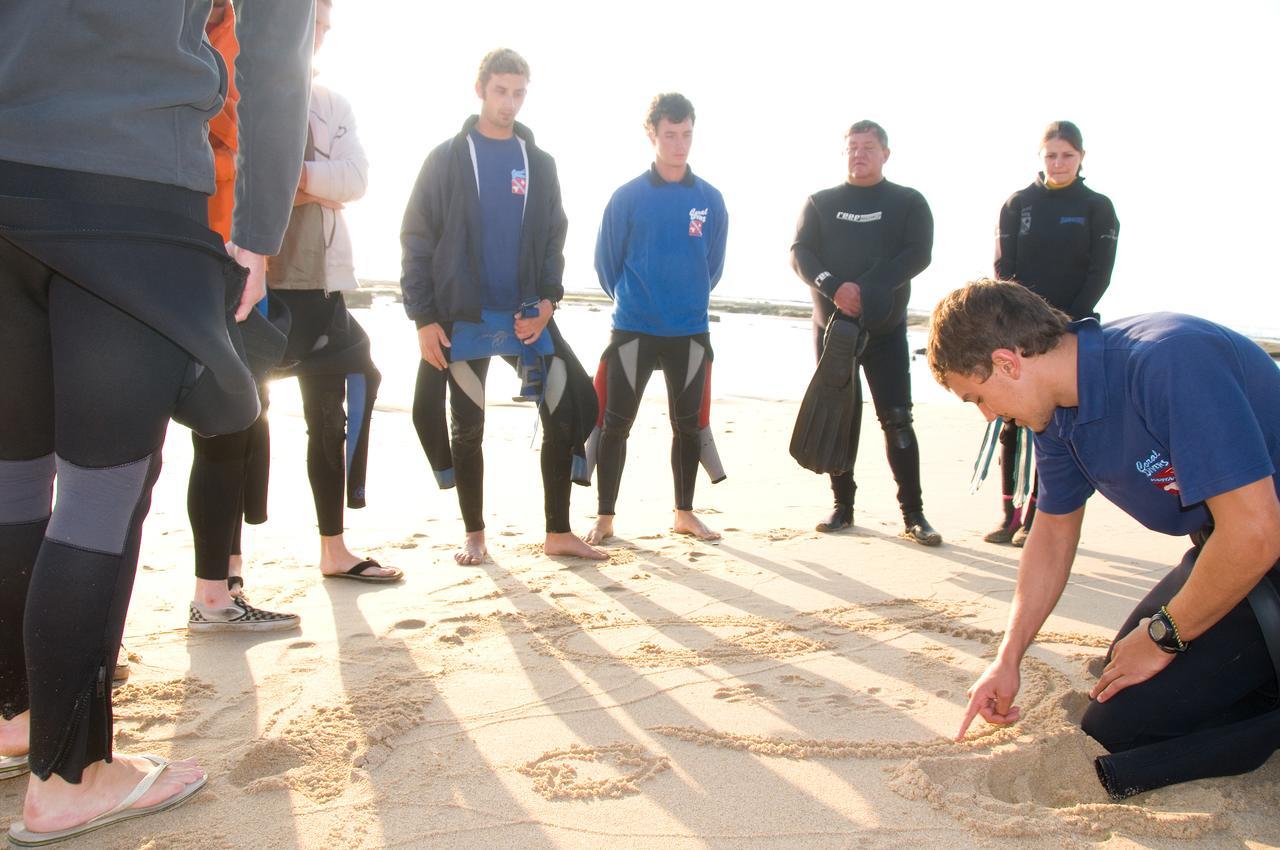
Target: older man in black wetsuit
{"points": [[857, 246]]}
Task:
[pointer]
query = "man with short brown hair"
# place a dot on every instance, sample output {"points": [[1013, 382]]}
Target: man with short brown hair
{"points": [[1176, 420]]}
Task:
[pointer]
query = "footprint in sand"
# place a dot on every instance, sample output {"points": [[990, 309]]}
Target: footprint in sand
{"points": [[315, 753], [302, 644], [409, 625], [750, 692], [593, 772]]}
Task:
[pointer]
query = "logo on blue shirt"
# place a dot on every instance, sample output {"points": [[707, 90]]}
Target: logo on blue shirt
{"points": [[1159, 471], [519, 181]]}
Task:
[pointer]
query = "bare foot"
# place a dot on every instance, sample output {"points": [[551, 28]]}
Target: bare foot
{"points": [[15, 735], [56, 804], [566, 543], [600, 531], [473, 551], [335, 558], [687, 523]]}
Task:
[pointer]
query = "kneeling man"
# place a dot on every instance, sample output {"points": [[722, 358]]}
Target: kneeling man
{"points": [[1177, 421]]}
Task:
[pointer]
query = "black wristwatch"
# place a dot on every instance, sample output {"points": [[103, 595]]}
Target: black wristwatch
{"points": [[1164, 632]]}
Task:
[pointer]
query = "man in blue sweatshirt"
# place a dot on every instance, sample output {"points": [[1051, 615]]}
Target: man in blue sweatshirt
{"points": [[659, 254]]}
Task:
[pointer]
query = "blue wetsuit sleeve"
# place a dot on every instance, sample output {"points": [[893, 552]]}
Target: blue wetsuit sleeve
{"points": [[1063, 487], [1191, 391], [611, 243], [716, 248], [1104, 234]]}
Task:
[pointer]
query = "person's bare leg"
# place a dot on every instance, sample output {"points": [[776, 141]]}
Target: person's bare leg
{"points": [[15, 735], [686, 522], [601, 530], [473, 549], [568, 543], [335, 557], [56, 804], [213, 593]]}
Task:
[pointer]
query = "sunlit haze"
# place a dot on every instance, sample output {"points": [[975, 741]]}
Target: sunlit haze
{"points": [[1174, 100]]}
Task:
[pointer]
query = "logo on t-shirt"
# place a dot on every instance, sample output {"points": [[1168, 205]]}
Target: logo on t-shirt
{"points": [[697, 218], [519, 181], [859, 217], [1159, 472]]}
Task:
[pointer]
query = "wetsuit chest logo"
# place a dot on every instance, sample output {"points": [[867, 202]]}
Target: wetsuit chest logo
{"points": [[519, 181], [1159, 472], [858, 218], [1072, 219], [1024, 226], [697, 218]]}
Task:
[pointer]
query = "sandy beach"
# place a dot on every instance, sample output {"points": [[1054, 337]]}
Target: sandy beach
{"points": [[778, 689]]}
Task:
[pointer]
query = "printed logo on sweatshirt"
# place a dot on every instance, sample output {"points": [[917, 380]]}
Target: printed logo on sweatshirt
{"points": [[1159, 472], [697, 218], [859, 217], [1072, 219], [519, 181], [1024, 226]]}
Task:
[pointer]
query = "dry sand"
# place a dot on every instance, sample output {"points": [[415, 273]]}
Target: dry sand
{"points": [[781, 688]]}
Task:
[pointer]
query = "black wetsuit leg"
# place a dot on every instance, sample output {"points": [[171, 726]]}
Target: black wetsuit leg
{"points": [[684, 367], [630, 362], [430, 422], [1209, 713], [88, 392], [466, 413], [887, 365], [323, 407], [466, 407], [215, 500], [314, 316]]}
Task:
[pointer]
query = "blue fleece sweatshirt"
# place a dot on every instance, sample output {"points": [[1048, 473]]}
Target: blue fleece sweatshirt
{"points": [[660, 252]]}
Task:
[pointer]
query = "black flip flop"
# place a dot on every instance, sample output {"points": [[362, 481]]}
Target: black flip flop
{"points": [[360, 572]]}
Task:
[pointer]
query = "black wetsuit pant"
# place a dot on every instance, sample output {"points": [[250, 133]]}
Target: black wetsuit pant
{"points": [[86, 393], [1212, 712], [465, 381], [631, 359], [223, 471], [324, 397], [886, 361]]}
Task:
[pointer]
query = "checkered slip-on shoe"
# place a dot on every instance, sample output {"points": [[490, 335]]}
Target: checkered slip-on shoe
{"points": [[240, 616]]}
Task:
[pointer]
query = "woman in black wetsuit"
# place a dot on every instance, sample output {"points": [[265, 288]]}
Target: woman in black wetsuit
{"points": [[1057, 237]]}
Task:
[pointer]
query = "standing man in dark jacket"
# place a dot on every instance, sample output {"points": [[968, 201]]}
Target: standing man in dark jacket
{"points": [[857, 246], [483, 260]]}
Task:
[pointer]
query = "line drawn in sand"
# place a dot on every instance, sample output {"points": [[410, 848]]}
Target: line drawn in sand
{"points": [[1026, 780], [556, 774], [686, 642]]}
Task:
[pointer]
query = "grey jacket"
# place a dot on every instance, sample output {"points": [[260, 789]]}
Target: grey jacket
{"points": [[124, 88]]}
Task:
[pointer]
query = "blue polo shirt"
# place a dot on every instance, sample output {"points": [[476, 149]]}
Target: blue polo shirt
{"points": [[1173, 410]]}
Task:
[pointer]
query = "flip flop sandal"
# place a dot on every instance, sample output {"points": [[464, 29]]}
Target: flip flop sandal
{"points": [[12, 766], [360, 572], [20, 836]]}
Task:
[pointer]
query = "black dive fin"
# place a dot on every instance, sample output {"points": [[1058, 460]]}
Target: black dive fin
{"points": [[821, 441]]}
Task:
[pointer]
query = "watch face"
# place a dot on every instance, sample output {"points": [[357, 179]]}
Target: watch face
{"points": [[1158, 630]]}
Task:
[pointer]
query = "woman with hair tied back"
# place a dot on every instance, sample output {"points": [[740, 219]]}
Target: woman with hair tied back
{"points": [[1057, 237]]}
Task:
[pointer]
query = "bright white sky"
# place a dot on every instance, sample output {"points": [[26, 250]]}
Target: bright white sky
{"points": [[1176, 101]]}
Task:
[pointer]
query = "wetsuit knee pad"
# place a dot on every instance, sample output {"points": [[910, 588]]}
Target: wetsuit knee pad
{"points": [[896, 423], [96, 507], [467, 434], [27, 486]]}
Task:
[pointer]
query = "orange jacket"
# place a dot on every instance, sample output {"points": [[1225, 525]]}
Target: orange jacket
{"points": [[222, 128]]}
